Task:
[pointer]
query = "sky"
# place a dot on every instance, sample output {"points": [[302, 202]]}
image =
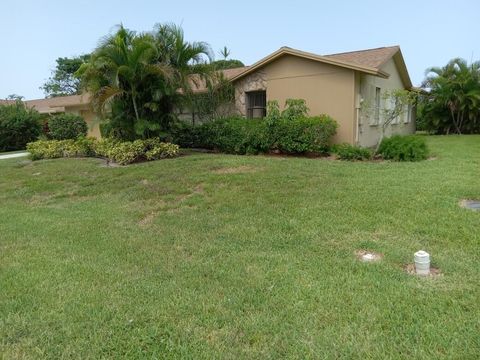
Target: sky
{"points": [[36, 32]]}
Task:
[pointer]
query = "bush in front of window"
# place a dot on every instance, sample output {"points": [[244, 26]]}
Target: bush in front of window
{"points": [[245, 136], [404, 148], [66, 126], [351, 152], [234, 135]]}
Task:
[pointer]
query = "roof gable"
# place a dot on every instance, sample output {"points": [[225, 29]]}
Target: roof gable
{"points": [[368, 61]]}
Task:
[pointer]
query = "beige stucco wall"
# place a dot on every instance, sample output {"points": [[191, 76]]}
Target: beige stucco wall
{"points": [[90, 118], [368, 131], [327, 89]]}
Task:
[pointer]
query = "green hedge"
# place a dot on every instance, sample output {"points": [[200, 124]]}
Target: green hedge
{"points": [[404, 148], [18, 126], [123, 153], [351, 152], [66, 126], [248, 136]]}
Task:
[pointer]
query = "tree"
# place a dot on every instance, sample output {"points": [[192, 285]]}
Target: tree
{"points": [[226, 63], [15, 97], [63, 82], [137, 80], [19, 125], [215, 102], [396, 103], [453, 100], [225, 52]]}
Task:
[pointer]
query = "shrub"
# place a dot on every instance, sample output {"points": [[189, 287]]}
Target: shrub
{"points": [[161, 151], [295, 109], [120, 152], [247, 136], [127, 152], [18, 126], [234, 135], [51, 149], [351, 152], [184, 135], [307, 134], [66, 126], [404, 148]]}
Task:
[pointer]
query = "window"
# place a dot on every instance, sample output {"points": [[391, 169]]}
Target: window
{"points": [[256, 104], [396, 108], [408, 118], [377, 105]]}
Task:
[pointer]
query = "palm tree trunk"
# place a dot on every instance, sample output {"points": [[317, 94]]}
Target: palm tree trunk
{"points": [[454, 120], [135, 108]]}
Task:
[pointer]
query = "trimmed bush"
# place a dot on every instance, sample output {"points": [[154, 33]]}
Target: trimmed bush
{"points": [[123, 153], [66, 126], [351, 152], [404, 148], [304, 135], [234, 136], [247, 136], [18, 126]]}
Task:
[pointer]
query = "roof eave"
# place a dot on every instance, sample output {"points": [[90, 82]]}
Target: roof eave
{"points": [[323, 59]]}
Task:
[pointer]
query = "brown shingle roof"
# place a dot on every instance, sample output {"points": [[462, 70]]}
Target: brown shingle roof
{"points": [[374, 58], [368, 61], [7, 102]]}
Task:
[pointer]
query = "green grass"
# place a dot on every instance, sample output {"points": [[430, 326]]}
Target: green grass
{"points": [[217, 256]]}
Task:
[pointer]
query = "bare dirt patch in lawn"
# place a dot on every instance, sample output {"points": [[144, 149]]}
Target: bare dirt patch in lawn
{"points": [[434, 272], [368, 256], [470, 204], [235, 170]]}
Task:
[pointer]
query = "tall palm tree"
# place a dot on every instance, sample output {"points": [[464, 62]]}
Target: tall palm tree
{"points": [[122, 67], [144, 77], [190, 61]]}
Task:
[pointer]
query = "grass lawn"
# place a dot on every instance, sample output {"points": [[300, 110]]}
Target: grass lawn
{"points": [[218, 256]]}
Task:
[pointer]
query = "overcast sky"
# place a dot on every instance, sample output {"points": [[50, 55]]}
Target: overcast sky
{"points": [[34, 32]]}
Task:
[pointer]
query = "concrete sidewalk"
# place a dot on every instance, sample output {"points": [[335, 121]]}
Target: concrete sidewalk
{"points": [[15, 155]]}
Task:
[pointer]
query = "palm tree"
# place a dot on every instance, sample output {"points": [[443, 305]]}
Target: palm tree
{"points": [[456, 86], [141, 79], [190, 61], [122, 67]]}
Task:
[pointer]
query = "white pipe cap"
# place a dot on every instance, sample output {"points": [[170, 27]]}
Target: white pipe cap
{"points": [[422, 255]]}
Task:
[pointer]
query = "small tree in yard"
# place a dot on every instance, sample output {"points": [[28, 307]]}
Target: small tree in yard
{"points": [[396, 104]]}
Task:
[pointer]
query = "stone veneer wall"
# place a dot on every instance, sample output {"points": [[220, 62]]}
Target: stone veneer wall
{"points": [[253, 82]]}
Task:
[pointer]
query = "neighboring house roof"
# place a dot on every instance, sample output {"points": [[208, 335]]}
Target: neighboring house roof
{"points": [[368, 61], [7, 102], [58, 104]]}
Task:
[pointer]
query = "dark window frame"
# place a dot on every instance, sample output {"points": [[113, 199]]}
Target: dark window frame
{"points": [[256, 102]]}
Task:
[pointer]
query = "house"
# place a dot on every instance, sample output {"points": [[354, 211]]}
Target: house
{"points": [[335, 84], [76, 104], [338, 85]]}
